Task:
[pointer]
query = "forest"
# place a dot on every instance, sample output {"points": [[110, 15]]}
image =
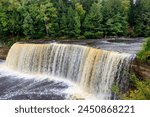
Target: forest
{"points": [[79, 19]]}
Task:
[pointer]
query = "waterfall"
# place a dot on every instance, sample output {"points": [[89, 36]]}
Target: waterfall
{"points": [[95, 70]]}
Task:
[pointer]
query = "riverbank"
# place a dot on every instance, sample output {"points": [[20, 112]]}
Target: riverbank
{"points": [[142, 70], [3, 52]]}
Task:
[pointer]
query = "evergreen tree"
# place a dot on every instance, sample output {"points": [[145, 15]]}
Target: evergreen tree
{"points": [[61, 17], [47, 15], [74, 18], [115, 13], [93, 21], [3, 19], [73, 23], [142, 16]]}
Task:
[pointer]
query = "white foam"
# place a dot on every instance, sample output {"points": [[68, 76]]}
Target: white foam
{"points": [[73, 91]]}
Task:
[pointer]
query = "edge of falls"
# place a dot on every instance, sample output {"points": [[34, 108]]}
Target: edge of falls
{"points": [[94, 70]]}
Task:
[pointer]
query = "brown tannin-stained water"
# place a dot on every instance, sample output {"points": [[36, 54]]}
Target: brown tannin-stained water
{"points": [[62, 71]]}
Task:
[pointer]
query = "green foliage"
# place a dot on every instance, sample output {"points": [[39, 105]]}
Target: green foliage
{"points": [[115, 17], [73, 23], [90, 35], [115, 89], [93, 21], [47, 15], [141, 90], [5, 42], [144, 54], [28, 25], [74, 18], [141, 20]]}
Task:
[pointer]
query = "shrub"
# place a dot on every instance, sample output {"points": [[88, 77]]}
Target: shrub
{"points": [[140, 89], [92, 35], [144, 54]]}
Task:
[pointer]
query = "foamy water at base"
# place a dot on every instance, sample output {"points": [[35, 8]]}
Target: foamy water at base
{"points": [[96, 71], [15, 85]]}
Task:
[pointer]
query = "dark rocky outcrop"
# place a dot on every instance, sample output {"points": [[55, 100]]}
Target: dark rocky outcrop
{"points": [[142, 70], [3, 52]]}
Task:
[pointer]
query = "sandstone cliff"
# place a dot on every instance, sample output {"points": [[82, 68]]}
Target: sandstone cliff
{"points": [[141, 70]]}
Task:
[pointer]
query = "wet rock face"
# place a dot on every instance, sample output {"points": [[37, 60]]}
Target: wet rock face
{"points": [[3, 52], [142, 70]]}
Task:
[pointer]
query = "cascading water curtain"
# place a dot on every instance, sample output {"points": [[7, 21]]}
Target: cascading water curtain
{"points": [[94, 70]]}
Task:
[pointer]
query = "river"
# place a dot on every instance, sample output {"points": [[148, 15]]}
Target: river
{"points": [[18, 82]]}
